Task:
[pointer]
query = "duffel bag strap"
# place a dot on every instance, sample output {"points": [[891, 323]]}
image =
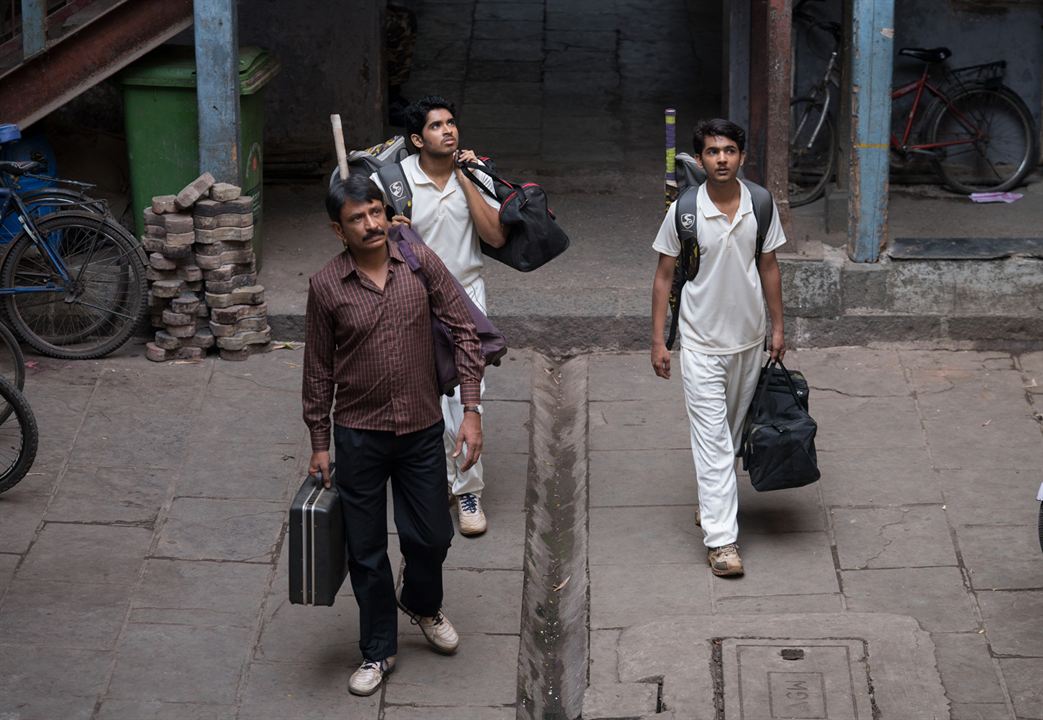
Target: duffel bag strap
{"points": [[468, 169]]}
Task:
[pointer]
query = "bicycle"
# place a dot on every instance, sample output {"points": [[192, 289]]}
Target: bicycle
{"points": [[19, 437], [72, 283], [978, 133]]}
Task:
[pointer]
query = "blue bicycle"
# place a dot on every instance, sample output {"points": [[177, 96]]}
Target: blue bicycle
{"points": [[72, 283]]}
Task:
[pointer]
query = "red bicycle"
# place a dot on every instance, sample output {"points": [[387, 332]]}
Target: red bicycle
{"points": [[976, 131]]}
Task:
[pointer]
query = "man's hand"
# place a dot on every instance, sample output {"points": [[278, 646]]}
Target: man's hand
{"points": [[320, 462], [471, 434], [465, 156], [401, 220], [661, 360], [777, 349]]}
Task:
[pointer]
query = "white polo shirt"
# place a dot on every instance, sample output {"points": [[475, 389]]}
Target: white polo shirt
{"points": [[442, 219], [722, 309]]}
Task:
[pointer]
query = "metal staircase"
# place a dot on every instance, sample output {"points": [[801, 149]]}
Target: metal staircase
{"points": [[53, 50]]}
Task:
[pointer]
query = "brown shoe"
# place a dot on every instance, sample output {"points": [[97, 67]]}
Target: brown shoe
{"points": [[725, 560]]}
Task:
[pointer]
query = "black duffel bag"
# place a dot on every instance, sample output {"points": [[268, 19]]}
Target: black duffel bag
{"points": [[533, 235], [778, 438]]}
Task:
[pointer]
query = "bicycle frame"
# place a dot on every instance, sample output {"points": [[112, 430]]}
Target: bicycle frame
{"points": [[919, 86], [29, 226]]}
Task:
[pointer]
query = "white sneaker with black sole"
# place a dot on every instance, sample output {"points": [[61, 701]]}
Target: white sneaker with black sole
{"points": [[472, 518], [438, 631], [370, 675]]}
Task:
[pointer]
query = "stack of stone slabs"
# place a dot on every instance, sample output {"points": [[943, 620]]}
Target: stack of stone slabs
{"points": [[227, 306]]}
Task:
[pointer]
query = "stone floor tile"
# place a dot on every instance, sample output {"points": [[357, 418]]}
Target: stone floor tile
{"points": [[208, 529], [966, 667], [33, 677], [115, 432], [776, 604], [1012, 621], [505, 426], [425, 678], [22, 512], [66, 707], [936, 597], [638, 425], [899, 476], [200, 593], [196, 664], [309, 635], [979, 711], [642, 477], [483, 601], [277, 691], [973, 496], [512, 379], [406, 712], [855, 372], [950, 455], [626, 536], [954, 359], [779, 511], [604, 663], [1001, 557], [1023, 681], [8, 562], [620, 700], [915, 536], [779, 564], [211, 471], [502, 547], [69, 552], [506, 478], [68, 615], [624, 595], [109, 494], [846, 423], [152, 710]]}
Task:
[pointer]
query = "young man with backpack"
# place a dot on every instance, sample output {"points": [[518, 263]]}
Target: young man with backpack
{"points": [[732, 273], [450, 213]]}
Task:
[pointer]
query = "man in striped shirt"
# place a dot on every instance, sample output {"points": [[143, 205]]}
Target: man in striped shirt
{"points": [[370, 349]]}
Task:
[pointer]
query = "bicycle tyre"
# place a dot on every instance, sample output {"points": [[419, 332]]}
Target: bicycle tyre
{"points": [[810, 159], [24, 435], [97, 310], [1001, 160], [12, 366]]}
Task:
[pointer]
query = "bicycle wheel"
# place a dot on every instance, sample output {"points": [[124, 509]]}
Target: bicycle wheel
{"points": [[989, 138], [812, 148], [97, 308], [12, 366], [19, 437]]}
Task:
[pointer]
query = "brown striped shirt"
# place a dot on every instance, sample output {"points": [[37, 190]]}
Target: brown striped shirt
{"points": [[376, 347]]}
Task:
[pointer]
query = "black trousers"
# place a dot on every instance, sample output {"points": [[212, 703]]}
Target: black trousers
{"points": [[415, 463]]}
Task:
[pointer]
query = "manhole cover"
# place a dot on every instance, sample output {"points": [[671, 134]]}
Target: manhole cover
{"points": [[774, 679]]}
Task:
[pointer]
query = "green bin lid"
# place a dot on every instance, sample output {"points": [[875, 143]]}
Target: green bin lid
{"points": [[175, 66]]}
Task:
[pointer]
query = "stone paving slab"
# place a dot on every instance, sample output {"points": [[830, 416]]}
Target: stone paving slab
{"points": [[109, 495], [152, 710]]}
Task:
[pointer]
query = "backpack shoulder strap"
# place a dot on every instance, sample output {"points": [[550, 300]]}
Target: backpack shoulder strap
{"points": [[763, 212], [396, 188], [686, 222]]}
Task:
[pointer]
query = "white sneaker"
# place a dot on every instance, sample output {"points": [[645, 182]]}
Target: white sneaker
{"points": [[472, 519], [370, 674], [438, 631]]}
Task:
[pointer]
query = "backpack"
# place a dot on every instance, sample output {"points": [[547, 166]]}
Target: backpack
{"points": [[689, 177], [383, 159]]}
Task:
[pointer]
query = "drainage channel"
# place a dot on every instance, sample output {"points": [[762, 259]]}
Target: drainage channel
{"points": [[553, 659]]}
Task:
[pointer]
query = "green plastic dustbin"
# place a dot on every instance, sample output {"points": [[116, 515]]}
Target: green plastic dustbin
{"points": [[159, 100]]}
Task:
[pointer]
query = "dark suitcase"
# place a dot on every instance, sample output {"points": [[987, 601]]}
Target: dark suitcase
{"points": [[317, 548]]}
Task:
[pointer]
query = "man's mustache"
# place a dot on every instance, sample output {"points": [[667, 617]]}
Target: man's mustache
{"points": [[374, 234]]}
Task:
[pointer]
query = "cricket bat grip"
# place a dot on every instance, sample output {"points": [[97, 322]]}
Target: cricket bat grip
{"points": [[338, 141]]}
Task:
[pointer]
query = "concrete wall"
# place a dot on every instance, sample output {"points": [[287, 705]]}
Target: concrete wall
{"points": [[332, 61]]}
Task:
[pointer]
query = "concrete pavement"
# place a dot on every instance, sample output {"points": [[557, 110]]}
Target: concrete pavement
{"points": [[142, 564]]}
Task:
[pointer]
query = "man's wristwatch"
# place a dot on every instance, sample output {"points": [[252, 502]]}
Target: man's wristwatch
{"points": [[472, 408]]}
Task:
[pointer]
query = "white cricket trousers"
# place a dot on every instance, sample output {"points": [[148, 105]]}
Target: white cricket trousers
{"points": [[717, 392], [460, 481]]}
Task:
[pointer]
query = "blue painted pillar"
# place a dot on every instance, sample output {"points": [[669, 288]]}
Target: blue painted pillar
{"points": [[34, 27], [872, 52], [217, 88]]}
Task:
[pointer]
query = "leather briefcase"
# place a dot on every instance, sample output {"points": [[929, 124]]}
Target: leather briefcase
{"points": [[317, 554]]}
